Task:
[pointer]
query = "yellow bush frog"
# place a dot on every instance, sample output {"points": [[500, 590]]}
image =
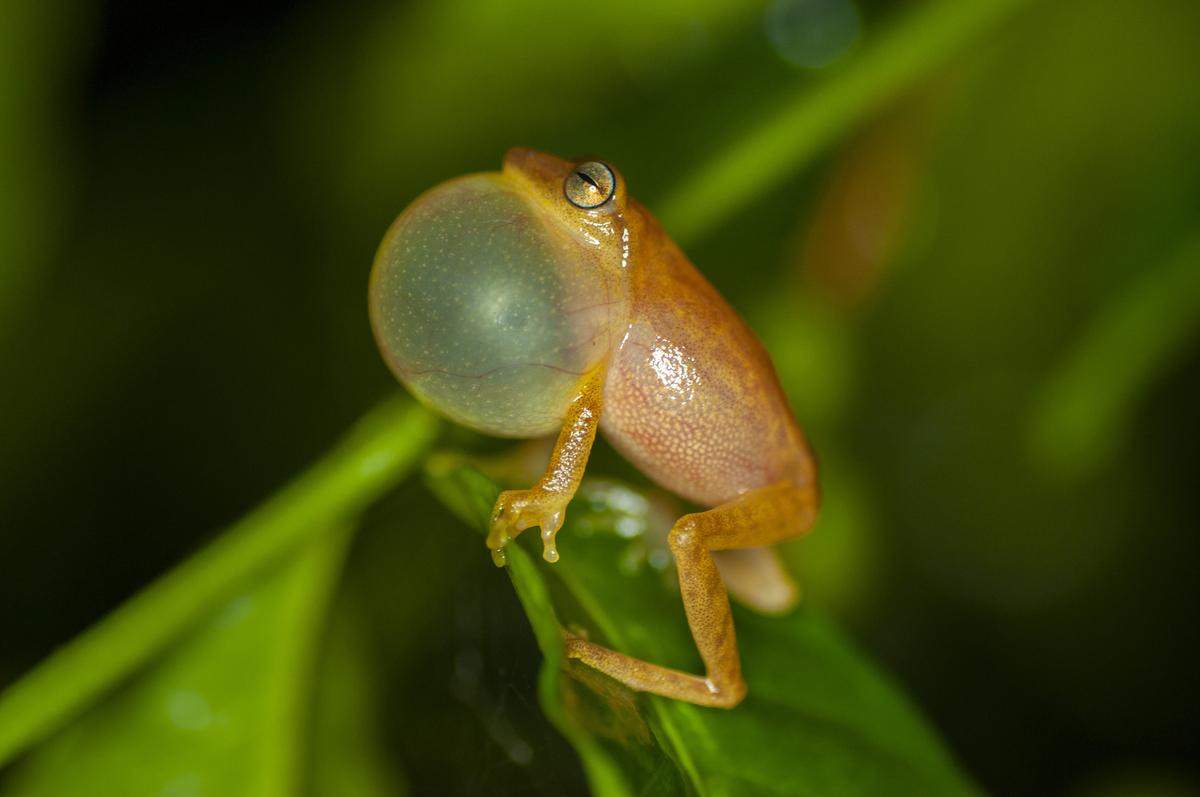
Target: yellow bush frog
{"points": [[543, 298]]}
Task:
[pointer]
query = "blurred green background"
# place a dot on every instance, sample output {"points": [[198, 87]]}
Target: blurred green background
{"points": [[983, 300]]}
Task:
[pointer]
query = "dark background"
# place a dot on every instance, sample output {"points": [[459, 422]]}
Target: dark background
{"points": [[193, 193]]}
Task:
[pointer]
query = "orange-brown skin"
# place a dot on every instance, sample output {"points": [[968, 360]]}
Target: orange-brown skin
{"points": [[679, 385]]}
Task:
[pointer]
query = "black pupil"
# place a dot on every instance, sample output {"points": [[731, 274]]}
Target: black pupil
{"points": [[587, 178]]}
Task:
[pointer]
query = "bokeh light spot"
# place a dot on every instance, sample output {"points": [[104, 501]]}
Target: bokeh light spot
{"points": [[189, 710], [811, 33]]}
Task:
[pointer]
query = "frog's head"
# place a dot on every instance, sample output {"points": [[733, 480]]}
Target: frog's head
{"points": [[493, 294], [586, 197]]}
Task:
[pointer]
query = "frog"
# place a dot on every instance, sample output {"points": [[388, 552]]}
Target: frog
{"points": [[543, 300]]}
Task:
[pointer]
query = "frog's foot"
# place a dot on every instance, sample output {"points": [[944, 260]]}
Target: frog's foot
{"points": [[517, 510]]}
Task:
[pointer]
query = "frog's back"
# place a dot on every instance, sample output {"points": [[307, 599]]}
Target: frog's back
{"points": [[691, 397]]}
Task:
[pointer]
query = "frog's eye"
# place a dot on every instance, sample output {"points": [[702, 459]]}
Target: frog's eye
{"points": [[589, 185]]}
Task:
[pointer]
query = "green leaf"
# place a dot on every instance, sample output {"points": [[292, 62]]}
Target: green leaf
{"points": [[819, 719], [1085, 409], [348, 757], [40, 55], [223, 712], [374, 456], [776, 146]]}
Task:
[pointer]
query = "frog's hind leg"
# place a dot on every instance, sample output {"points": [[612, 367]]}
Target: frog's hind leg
{"points": [[758, 517], [757, 579]]}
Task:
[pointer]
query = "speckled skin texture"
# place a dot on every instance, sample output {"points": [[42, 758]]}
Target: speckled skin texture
{"points": [[487, 310], [691, 397], [511, 310]]}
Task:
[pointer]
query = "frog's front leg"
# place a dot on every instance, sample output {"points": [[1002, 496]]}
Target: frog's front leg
{"points": [[545, 504]]}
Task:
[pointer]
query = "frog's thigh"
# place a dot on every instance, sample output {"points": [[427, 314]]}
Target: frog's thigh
{"points": [[757, 579], [759, 517]]}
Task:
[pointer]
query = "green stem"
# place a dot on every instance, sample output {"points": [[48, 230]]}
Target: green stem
{"points": [[377, 454], [776, 146]]}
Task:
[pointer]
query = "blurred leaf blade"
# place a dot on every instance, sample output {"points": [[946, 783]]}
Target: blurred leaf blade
{"points": [[1085, 406], [818, 719], [348, 757], [224, 712], [33, 147], [776, 146], [377, 453]]}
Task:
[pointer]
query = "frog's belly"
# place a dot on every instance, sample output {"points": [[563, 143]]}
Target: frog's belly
{"points": [[704, 418]]}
